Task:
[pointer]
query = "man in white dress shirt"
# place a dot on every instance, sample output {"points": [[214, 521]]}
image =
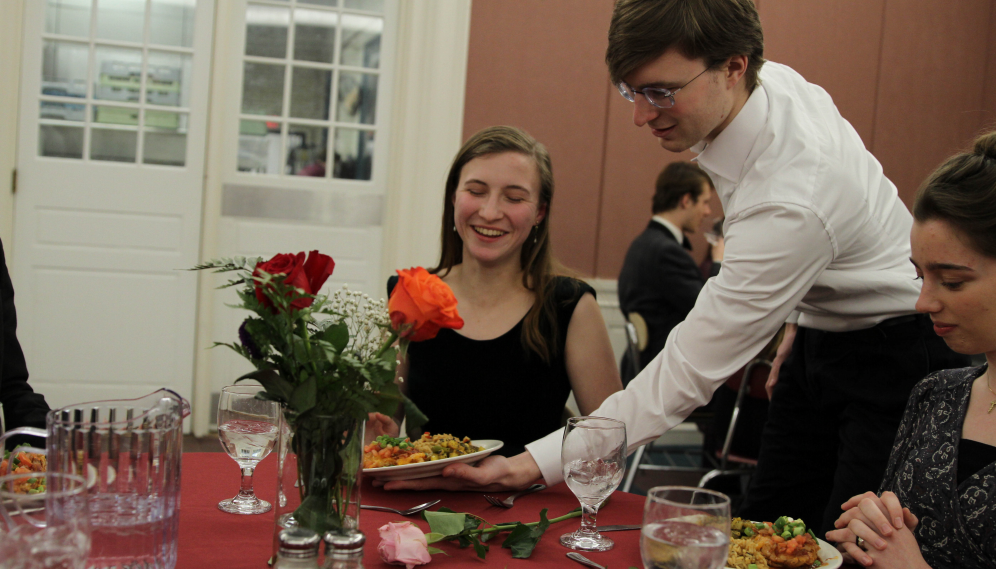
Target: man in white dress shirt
{"points": [[815, 233]]}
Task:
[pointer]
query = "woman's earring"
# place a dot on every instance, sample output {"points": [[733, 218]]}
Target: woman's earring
{"points": [[454, 228], [536, 237]]}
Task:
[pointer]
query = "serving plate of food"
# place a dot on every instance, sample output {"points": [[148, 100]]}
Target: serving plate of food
{"points": [[388, 458], [782, 544]]}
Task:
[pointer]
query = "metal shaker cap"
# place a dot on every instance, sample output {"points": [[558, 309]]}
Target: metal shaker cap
{"points": [[299, 542], [345, 542]]}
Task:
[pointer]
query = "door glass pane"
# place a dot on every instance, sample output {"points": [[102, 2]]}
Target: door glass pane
{"points": [[259, 147], [310, 90], [117, 74], [113, 145], [306, 150], [353, 154], [262, 89], [165, 138], [60, 141], [68, 17], [168, 82], [368, 5], [357, 98], [266, 31], [121, 20], [173, 22], [361, 40], [314, 35], [115, 115], [319, 2], [64, 68], [62, 111]]}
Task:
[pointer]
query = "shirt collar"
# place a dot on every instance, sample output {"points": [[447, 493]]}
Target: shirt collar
{"points": [[727, 154], [674, 229]]}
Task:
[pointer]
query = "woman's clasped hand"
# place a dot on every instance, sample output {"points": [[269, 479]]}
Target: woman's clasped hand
{"points": [[882, 523]]}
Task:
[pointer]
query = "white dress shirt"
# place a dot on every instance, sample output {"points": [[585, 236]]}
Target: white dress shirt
{"points": [[674, 229], [812, 225]]}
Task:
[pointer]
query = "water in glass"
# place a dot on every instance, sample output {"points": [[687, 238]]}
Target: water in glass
{"points": [[247, 429], [685, 528], [593, 458]]}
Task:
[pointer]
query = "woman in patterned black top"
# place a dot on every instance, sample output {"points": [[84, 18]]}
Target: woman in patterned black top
{"points": [[530, 337], [937, 503]]}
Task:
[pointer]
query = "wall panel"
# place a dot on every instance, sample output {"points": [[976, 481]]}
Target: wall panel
{"points": [[989, 97], [540, 66], [930, 96]]}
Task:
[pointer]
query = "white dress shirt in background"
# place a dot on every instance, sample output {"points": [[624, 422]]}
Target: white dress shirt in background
{"points": [[812, 224], [674, 229]]}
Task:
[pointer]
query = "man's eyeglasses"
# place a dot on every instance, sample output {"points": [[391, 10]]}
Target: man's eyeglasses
{"points": [[660, 98]]}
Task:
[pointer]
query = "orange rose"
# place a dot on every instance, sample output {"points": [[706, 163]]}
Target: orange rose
{"points": [[421, 304]]}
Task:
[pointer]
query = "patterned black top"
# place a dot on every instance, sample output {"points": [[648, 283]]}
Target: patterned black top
{"points": [[957, 521], [494, 389]]}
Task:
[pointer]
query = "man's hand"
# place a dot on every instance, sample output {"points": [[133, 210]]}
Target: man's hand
{"points": [[493, 474], [784, 349], [379, 424]]}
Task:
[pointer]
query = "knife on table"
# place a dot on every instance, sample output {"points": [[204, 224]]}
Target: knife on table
{"points": [[619, 527]]}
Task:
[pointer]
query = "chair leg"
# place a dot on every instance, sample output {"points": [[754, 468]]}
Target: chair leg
{"points": [[637, 459]]}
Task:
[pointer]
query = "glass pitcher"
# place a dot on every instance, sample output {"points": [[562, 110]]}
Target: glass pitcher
{"points": [[129, 452]]}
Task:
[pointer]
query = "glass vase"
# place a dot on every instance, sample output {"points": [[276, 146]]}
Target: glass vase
{"points": [[319, 464]]}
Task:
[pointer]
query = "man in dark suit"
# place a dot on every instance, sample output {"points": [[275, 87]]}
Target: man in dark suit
{"points": [[659, 279], [22, 407]]}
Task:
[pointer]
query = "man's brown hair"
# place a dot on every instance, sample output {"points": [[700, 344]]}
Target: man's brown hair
{"points": [[675, 181], [713, 30]]}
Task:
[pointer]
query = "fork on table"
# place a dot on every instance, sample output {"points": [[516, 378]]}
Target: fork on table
{"points": [[507, 502]]}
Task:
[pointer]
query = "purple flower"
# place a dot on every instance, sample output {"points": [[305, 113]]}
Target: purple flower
{"points": [[248, 343]]}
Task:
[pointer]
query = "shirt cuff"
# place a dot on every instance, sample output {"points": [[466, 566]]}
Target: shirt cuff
{"points": [[546, 454], [793, 317]]}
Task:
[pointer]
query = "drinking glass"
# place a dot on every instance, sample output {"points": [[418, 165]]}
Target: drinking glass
{"points": [[247, 428], [593, 457], [685, 528], [45, 530]]}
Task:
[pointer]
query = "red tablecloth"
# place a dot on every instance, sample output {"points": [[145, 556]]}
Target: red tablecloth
{"points": [[212, 539]]}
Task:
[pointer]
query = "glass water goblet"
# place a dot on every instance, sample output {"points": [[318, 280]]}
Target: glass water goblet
{"points": [[685, 528], [47, 529], [593, 457], [247, 428]]}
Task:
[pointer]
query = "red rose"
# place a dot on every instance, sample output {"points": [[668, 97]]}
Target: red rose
{"points": [[420, 304], [306, 275]]}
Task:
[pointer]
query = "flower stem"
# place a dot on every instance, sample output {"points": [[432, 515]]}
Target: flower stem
{"points": [[508, 527]]}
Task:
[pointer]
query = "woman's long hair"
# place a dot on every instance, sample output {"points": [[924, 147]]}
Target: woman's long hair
{"points": [[539, 329]]}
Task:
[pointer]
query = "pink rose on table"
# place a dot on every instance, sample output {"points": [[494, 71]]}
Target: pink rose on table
{"points": [[403, 543]]}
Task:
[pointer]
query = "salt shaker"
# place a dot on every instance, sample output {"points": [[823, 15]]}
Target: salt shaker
{"points": [[344, 550], [298, 549]]}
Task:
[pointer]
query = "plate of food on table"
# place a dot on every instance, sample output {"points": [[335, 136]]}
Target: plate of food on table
{"points": [[18, 461], [389, 458], [785, 543]]}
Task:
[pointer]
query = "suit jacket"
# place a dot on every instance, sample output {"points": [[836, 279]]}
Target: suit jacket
{"points": [[22, 407], [660, 281]]}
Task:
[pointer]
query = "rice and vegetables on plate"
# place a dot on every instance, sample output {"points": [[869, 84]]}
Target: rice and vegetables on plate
{"points": [[20, 462], [784, 544], [389, 451]]}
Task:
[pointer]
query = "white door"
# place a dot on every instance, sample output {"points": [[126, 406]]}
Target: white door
{"points": [[108, 210]]}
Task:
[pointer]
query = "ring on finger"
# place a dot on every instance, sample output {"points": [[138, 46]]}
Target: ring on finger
{"points": [[860, 542]]}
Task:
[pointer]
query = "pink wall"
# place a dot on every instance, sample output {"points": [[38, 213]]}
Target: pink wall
{"points": [[916, 78]]}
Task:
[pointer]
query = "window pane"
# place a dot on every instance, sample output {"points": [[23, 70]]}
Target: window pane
{"points": [[165, 138], [259, 147], [68, 17], [318, 2], [173, 22], [118, 74], [115, 115], [64, 68], [60, 141], [62, 111], [121, 20], [262, 89], [113, 145], [266, 31], [314, 35], [306, 150], [169, 79], [368, 5], [357, 98], [353, 154], [310, 90], [361, 40]]}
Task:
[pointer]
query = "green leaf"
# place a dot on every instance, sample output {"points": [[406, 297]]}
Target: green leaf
{"points": [[480, 548], [337, 335], [432, 550], [433, 537], [523, 538], [304, 395], [446, 523], [275, 385]]}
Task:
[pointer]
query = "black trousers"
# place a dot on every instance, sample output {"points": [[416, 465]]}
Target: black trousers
{"points": [[834, 415]]}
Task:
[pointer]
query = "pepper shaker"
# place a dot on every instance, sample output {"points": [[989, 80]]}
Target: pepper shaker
{"points": [[298, 549], [344, 550]]}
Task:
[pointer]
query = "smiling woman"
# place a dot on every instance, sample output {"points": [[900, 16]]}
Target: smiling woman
{"points": [[943, 464], [531, 334]]}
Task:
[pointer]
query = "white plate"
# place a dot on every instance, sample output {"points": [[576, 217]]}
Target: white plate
{"points": [[431, 468], [829, 556]]}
